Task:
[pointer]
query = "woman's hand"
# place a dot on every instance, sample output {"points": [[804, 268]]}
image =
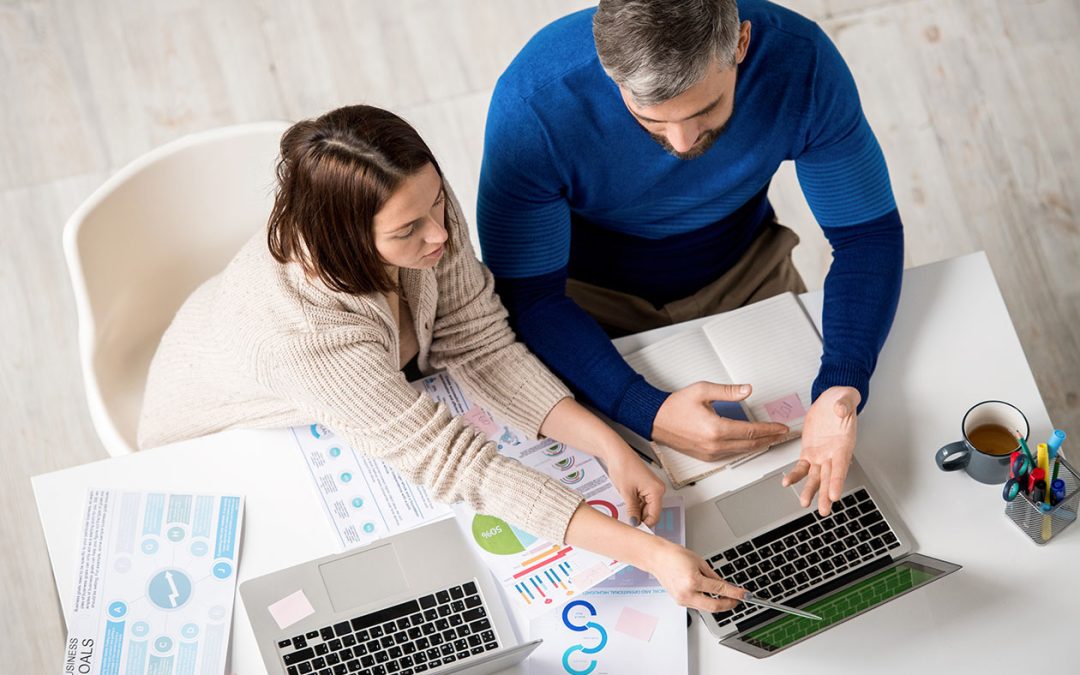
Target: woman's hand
{"points": [[642, 491], [683, 573], [570, 423], [689, 580]]}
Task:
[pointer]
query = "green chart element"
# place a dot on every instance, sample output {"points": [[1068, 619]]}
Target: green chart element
{"points": [[495, 535]]}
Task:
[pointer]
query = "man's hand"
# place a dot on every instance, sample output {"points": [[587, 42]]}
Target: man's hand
{"points": [[642, 491], [687, 422], [828, 443]]}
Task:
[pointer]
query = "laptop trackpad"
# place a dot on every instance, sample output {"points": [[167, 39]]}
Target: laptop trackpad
{"points": [[758, 505], [362, 578]]}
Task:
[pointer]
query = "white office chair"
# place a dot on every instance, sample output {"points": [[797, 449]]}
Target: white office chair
{"points": [[143, 241]]}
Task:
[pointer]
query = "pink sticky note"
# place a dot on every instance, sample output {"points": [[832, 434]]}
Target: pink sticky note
{"points": [[479, 418], [636, 624], [291, 609], [785, 409]]}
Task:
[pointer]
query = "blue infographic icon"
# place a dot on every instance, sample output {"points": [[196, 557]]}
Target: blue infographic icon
{"points": [[175, 534], [117, 610], [199, 548], [357, 502], [189, 631], [335, 451], [222, 570], [320, 431], [163, 644], [369, 527], [169, 589], [149, 546], [140, 629], [581, 648], [346, 477]]}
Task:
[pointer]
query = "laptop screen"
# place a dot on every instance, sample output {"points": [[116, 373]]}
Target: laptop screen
{"points": [[840, 605]]}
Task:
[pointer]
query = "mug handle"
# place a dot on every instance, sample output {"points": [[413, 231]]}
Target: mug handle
{"points": [[953, 457]]}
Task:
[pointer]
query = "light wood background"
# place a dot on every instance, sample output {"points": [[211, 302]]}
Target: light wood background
{"points": [[974, 101]]}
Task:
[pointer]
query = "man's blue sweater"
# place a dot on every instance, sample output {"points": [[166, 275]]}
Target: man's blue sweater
{"points": [[571, 185]]}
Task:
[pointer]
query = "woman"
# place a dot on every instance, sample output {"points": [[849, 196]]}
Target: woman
{"points": [[364, 279]]}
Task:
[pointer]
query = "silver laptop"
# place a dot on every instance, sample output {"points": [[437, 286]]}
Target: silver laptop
{"points": [[837, 567], [416, 602]]}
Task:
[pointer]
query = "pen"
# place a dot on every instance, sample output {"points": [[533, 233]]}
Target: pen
{"points": [[1034, 477], [1024, 446], [1038, 493], [1044, 459], [1057, 490], [749, 598], [1056, 439], [1047, 527]]}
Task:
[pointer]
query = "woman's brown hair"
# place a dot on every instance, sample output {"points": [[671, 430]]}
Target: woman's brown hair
{"points": [[334, 175]]}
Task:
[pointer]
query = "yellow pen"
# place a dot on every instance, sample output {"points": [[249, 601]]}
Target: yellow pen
{"points": [[1043, 458]]}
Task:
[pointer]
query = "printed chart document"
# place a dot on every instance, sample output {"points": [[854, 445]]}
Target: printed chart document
{"points": [[625, 624], [363, 498], [534, 574], [155, 583], [771, 345]]}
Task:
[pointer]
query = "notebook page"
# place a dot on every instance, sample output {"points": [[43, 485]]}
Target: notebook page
{"points": [[678, 361], [772, 345], [674, 363]]}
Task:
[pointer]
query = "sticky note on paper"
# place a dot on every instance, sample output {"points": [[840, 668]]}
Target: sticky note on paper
{"points": [[479, 418], [636, 624], [786, 409], [291, 609]]}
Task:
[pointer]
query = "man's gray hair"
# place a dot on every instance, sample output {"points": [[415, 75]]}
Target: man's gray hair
{"points": [[657, 49]]}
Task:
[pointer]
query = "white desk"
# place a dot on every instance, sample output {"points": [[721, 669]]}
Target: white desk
{"points": [[952, 345]]}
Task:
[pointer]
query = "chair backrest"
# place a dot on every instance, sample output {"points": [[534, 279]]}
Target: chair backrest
{"points": [[143, 241]]}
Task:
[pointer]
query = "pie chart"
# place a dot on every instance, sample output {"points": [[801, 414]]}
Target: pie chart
{"points": [[496, 536]]}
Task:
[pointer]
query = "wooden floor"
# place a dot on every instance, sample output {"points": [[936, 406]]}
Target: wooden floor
{"points": [[975, 103]]}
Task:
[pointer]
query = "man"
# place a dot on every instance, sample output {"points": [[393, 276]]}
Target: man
{"points": [[627, 158]]}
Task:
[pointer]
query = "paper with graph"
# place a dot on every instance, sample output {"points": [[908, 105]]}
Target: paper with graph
{"points": [[771, 345], [536, 575]]}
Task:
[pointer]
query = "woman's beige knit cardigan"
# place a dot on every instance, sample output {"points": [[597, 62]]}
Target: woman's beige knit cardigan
{"points": [[261, 345]]}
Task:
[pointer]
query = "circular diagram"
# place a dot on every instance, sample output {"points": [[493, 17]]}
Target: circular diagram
{"points": [[169, 589]]}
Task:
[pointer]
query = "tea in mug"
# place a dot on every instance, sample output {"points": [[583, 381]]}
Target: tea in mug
{"points": [[993, 439]]}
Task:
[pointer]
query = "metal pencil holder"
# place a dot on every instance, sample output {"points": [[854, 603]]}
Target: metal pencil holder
{"points": [[1042, 526]]}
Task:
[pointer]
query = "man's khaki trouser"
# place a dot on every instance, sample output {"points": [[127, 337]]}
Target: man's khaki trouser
{"points": [[764, 270]]}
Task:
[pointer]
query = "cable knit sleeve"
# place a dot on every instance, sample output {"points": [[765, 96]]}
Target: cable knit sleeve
{"points": [[473, 339], [346, 377]]}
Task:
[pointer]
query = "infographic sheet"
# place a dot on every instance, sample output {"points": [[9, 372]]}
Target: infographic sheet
{"points": [[154, 585], [363, 498]]}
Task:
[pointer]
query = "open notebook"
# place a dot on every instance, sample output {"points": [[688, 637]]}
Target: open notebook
{"points": [[771, 345]]}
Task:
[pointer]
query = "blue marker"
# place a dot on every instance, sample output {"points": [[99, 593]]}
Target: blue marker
{"points": [[1056, 439], [1054, 446], [1057, 491]]}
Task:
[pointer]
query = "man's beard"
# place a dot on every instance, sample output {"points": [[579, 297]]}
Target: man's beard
{"points": [[699, 148], [701, 145]]}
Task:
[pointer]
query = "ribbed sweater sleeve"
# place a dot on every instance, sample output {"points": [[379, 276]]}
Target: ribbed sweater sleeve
{"points": [[350, 382], [473, 340]]}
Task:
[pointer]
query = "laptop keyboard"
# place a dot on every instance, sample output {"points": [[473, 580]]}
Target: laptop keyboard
{"points": [[806, 552], [409, 638]]}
